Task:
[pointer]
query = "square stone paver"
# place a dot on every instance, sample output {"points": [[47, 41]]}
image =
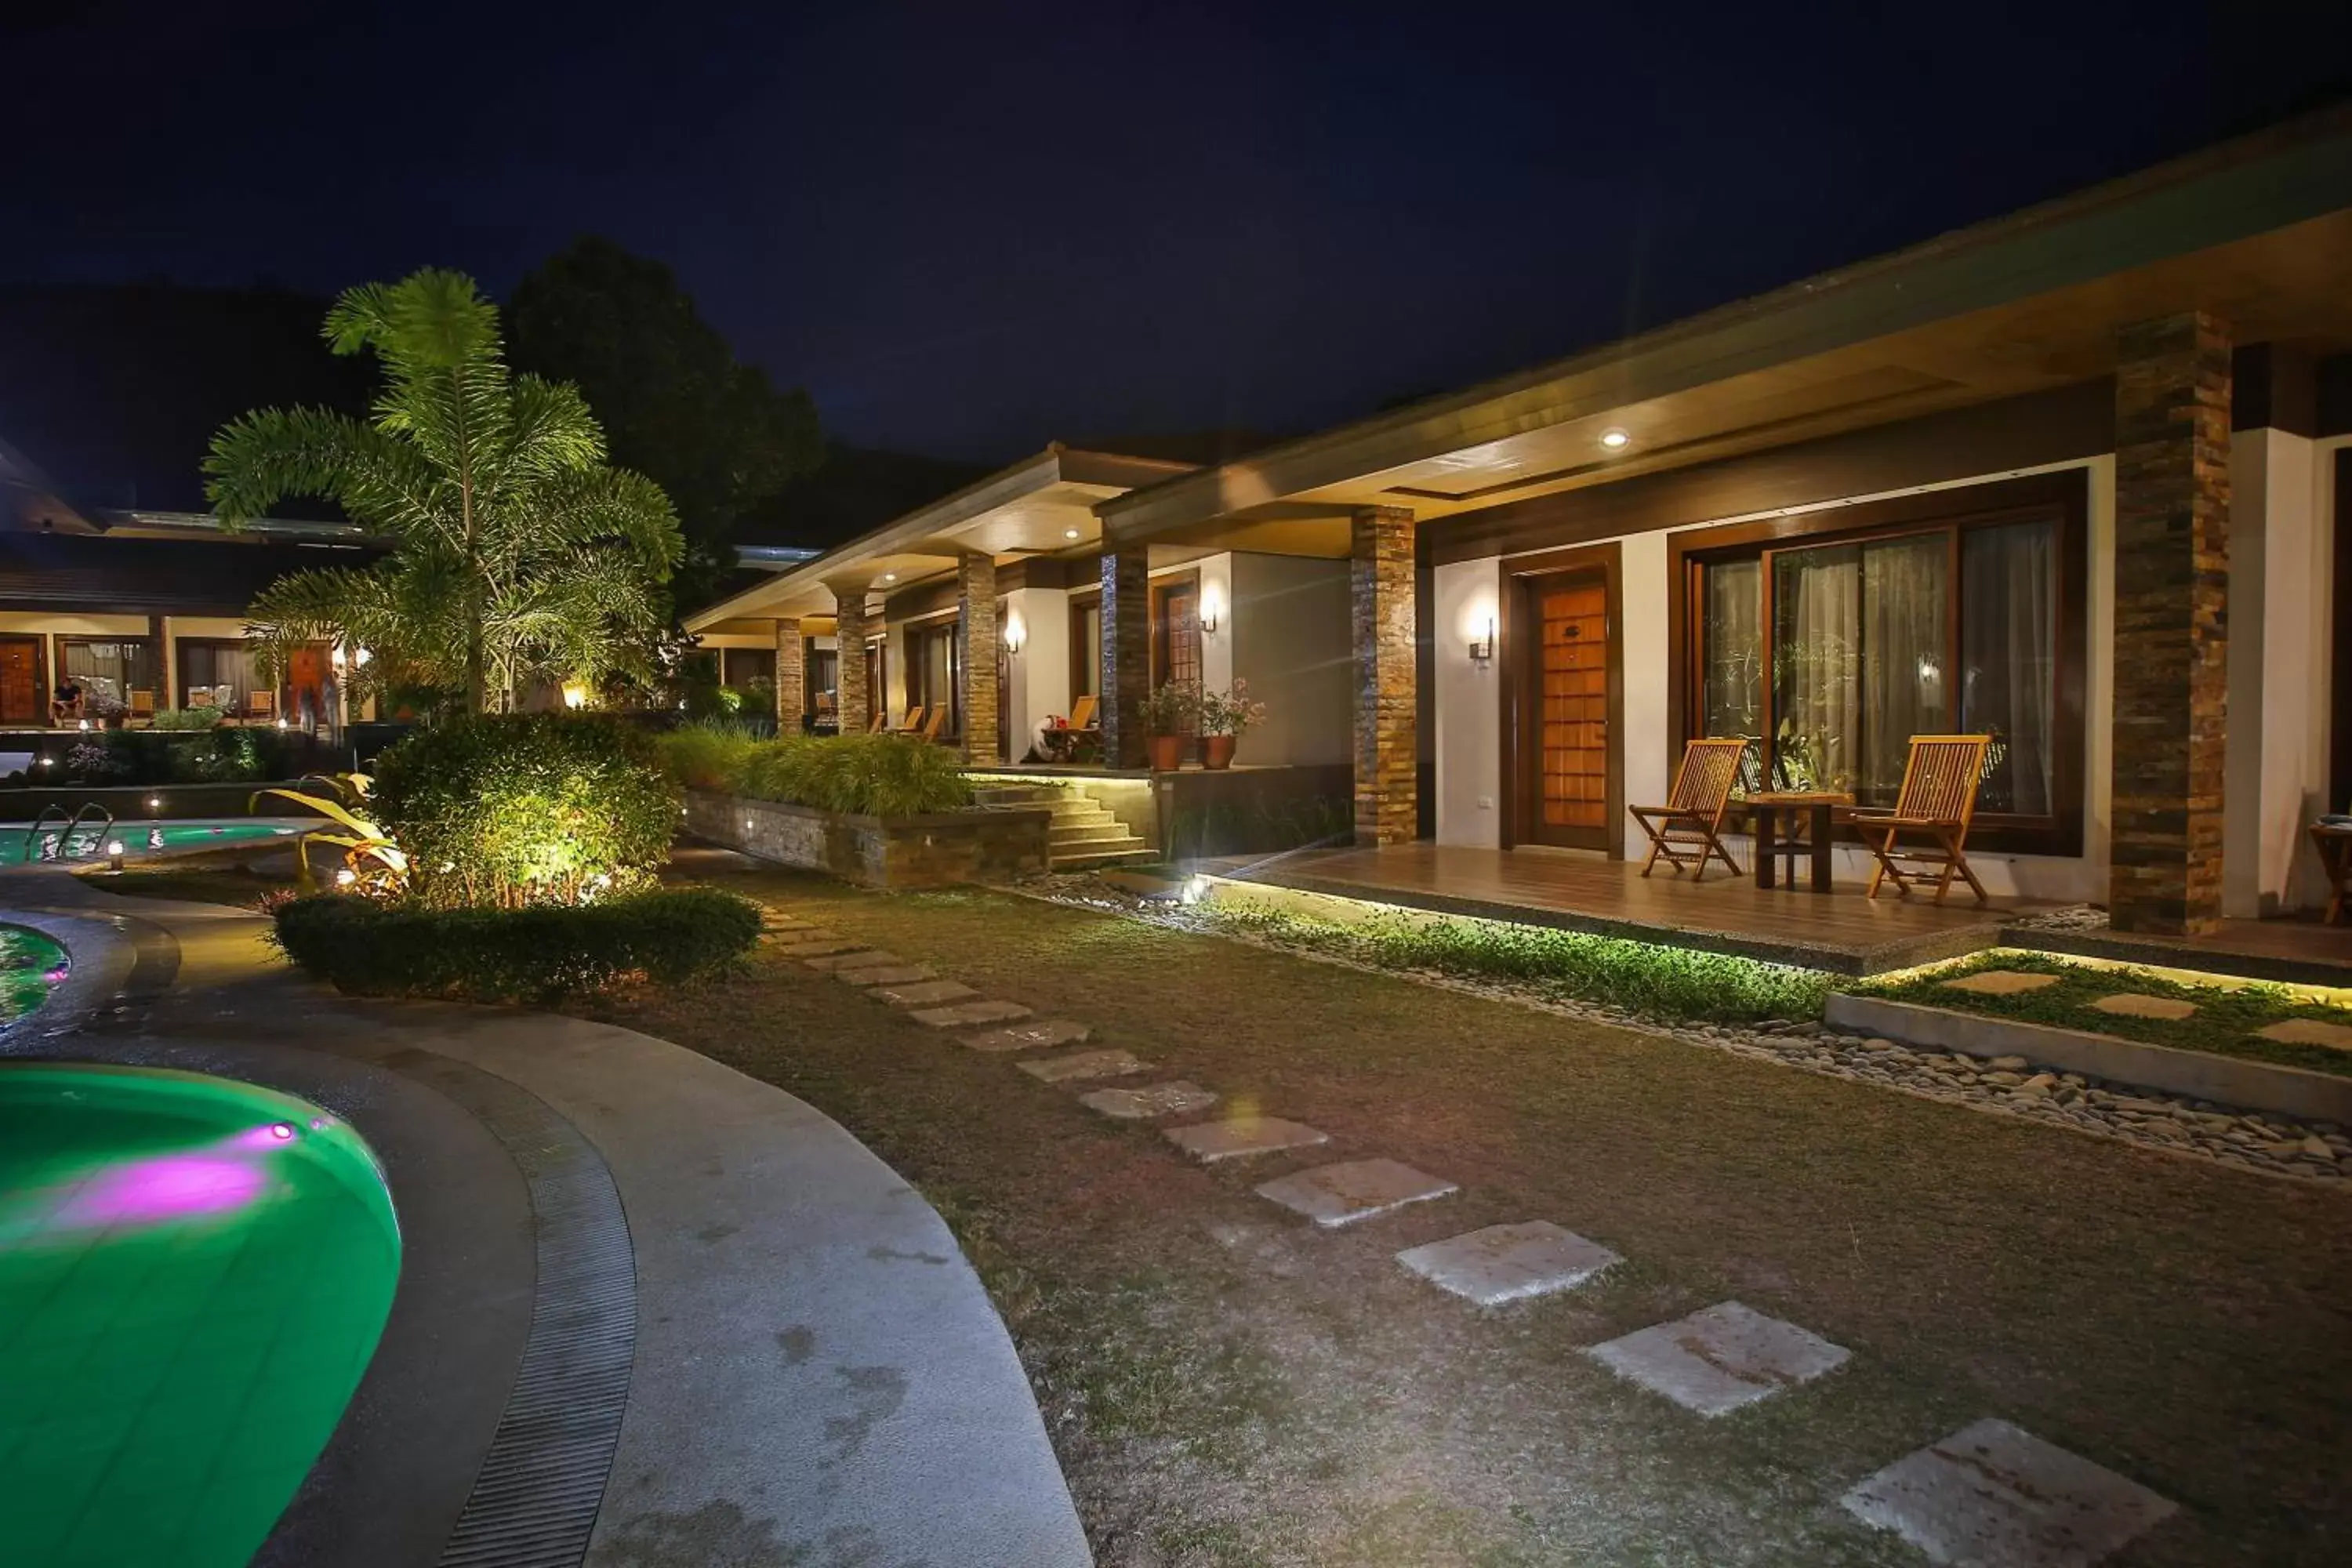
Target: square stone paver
{"points": [[1353, 1190], [860, 958], [1033, 1034], [924, 993], [1506, 1262], [2001, 981], [1720, 1358], [2307, 1032], [2131, 1005], [885, 975], [1081, 1064], [1991, 1496], [963, 1012], [1157, 1099], [1241, 1136], [774, 921], [817, 947]]}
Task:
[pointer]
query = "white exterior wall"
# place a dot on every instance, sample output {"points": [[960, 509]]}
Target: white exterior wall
{"points": [[1284, 629], [1469, 717], [1038, 683]]}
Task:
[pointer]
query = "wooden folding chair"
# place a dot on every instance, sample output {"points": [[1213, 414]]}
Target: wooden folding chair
{"points": [[260, 704], [1692, 818], [936, 722], [881, 722], [1939, 796], [911, 721], [1082, 712], [142, 704]]}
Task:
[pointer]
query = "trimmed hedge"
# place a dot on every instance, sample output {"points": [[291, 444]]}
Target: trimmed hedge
{"points": [[531, 954], [861, 775], [529, 808]]}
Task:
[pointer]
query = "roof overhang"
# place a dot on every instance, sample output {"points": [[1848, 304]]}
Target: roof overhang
{"points": [[1043, 505], [2258, 231]]}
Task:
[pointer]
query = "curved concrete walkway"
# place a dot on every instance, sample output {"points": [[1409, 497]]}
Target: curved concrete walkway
{"points": [[819, 1377]]}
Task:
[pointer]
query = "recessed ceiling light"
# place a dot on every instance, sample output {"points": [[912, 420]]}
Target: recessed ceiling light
{"points": [[1613, 439], [890, 576], [1069, 533]]}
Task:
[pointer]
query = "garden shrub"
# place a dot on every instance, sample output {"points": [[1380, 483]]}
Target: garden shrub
{"points": [[529, 955], [864, 775], [528, 808], [1637, 977]]}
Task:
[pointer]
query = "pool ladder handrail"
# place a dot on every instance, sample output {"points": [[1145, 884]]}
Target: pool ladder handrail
{"points": [[72, 826]]}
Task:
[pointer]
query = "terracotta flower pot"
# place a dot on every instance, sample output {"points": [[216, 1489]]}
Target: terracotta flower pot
{"points": [[1217, 751], [1166, 752]]}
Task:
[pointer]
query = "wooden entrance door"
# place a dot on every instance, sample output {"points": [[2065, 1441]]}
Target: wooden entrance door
{"points": [[1568, 794], [22, 700], [306, 674]]}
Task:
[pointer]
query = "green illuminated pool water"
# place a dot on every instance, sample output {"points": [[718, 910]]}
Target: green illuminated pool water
{"points": [[30, 964], [193, 1276], [53, 843]]}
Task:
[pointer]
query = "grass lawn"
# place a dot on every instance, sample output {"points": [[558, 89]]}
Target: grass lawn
{"points": [[1226, 1384], [217, 882], [2224, 1023]]}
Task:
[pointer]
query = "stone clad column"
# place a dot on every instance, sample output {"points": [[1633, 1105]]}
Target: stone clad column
{"points": [[792, 694], [849, 639], [2172, 584], [1388, 698], [1126, 652], [977, 690]]}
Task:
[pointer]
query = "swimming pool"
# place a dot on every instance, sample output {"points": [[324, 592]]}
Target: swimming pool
{"points": [[193, 1276], [30, 964], [19, 845]]}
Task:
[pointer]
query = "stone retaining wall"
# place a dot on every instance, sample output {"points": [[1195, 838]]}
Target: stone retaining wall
{"points": [[936, 850]]}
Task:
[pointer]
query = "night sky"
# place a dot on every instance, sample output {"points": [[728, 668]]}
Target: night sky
{"points": [[970, 228]]}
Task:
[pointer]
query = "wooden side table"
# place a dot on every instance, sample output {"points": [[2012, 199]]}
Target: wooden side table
{"points": [[2334, 847], [1813, 806]]}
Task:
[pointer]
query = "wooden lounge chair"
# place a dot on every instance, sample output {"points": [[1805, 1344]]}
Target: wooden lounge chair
{"points": [[1688, 829], [936, 722], [911, 721], [1939, 796], [1082, 712]]}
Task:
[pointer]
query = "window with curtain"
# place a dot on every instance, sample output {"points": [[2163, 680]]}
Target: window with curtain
{"points": [[930, 671], [744, 666], [1085, 650], [823, 679], [1874, 640], [226, 670], [115, 667]]}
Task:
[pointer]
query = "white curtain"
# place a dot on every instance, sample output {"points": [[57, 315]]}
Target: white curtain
{"points": [[2008, 646], [1817, 656], [1905, 691], [1735, 647]]}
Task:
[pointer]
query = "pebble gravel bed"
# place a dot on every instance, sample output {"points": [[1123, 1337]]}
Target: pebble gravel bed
{"points": [[2012, 1086]]}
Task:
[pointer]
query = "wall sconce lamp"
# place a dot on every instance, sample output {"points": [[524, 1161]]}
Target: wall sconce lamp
{"points": [[1017, 634], [1209, 619], [1482, 651]]}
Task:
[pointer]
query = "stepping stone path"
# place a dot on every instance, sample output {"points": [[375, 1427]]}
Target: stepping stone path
{"points": [[1721, 1358], [1508, 1262], [1241, 1136], [1082, 1065], [1991, 1496], [2307, 1032], [860, 958], [885, 975], [964, 1012], [818, 947], [776, 922], [2001, 981], [1031, 1036], [2131, 1005], [1141, 1104], [1354, 1190], [924, 993]]}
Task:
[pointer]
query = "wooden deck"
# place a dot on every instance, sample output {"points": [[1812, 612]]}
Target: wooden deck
{"points": [[1840, 931]]}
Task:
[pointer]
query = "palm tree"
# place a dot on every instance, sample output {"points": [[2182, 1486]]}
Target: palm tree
{"points": [[516, 551]]}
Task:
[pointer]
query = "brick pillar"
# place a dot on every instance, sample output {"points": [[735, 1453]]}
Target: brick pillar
{"points": [[977, 690], [2172, 583], [791, 692], [1126, 652], [1388, 699], [849, 638]]}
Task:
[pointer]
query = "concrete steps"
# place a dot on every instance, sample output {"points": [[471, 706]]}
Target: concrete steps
{"points": [[1083, 833]]}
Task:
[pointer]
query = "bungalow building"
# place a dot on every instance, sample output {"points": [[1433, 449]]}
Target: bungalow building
{"points": [[2076, 478]]}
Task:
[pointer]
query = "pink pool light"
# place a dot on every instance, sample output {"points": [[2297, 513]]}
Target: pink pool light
{"points": [[167, 1187]]}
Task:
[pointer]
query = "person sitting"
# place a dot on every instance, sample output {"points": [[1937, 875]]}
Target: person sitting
{"points": [[66, 706]]}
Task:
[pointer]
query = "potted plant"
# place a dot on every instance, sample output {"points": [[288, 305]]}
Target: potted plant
{"points": [[1167, 714], [1223, 716]]}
